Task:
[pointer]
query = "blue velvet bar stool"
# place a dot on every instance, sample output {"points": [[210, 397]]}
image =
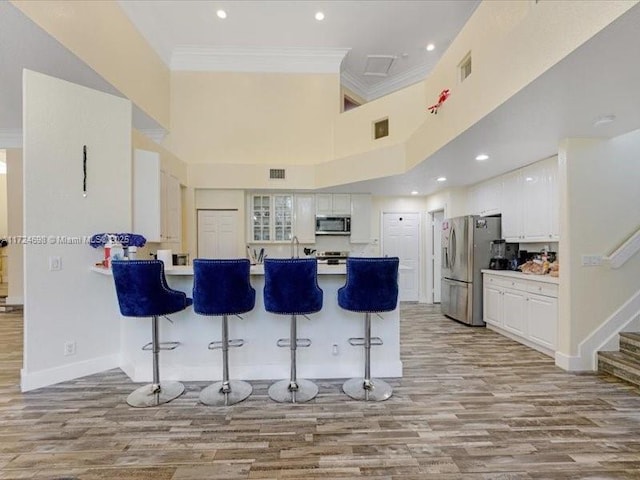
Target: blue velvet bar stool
{"points": [[142, 291], [291, 288], [371, 287], [222, 287]]}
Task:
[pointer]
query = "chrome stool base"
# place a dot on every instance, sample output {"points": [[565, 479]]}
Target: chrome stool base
{"points": [[146, 397], [280, 392], [378, 392], [214, 396]]}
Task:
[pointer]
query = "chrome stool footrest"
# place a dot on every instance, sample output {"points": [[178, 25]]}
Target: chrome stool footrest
{"points": [[230, 344], [359, 341], [300, 342], [161, 346]]}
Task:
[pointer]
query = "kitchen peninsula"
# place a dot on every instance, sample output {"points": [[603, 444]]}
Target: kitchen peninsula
{"points": [[329, 356]]}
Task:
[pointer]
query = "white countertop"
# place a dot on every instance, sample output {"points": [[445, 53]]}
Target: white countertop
{"points": [[323, 269], [523, 276]]}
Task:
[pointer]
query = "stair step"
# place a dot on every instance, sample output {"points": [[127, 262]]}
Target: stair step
{"points": [[620, 365], [630, 337]]}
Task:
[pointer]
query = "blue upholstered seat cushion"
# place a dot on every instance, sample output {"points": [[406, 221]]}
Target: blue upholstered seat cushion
{"points": [[372, 285], [291, 286], [142, 289], [222, 287]]}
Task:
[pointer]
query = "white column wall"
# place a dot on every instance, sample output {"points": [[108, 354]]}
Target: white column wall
{"points": [[70, 305]]}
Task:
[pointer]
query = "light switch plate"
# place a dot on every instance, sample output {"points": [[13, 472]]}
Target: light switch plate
{"points": [[55, 264], [591, 260]]}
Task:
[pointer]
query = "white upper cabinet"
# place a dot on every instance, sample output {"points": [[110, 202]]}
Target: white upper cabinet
{"points": [[333, 204], [530, 203], [485, 198], [157, 200], [271, 218], [305, 217], [360, 218], [147, 195], [512, 207]]}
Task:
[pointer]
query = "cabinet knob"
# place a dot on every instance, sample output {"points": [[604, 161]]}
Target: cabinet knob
{"points": [[513, 283]]}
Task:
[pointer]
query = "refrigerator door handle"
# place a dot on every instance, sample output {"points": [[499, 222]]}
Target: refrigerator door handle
{"points": [[453, 247]]}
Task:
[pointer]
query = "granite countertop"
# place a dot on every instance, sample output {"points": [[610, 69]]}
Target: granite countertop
{"points": [[523, 276]]}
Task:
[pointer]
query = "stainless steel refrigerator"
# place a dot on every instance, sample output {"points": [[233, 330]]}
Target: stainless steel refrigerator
{"points": [[466, 251]]}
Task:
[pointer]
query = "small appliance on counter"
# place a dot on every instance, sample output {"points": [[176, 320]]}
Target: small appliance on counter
{"points": [[503, 255], [332, 258]]}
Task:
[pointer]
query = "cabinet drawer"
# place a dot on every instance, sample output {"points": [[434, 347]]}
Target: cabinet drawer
{"points": [[497, 281], [546, 289]]}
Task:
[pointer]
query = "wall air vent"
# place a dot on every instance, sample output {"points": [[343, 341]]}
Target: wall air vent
{"points": [[381, 128], [465, 67], [276, 173]]}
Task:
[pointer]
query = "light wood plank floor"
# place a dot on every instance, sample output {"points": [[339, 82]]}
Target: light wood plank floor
{"points": [[472, 405]]}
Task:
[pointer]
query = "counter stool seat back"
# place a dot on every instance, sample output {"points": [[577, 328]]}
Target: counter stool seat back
{"points": [[291, 288], [221, 287], [371, 287], [142, 291]]}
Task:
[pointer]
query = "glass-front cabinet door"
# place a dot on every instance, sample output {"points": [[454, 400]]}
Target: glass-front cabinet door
{"points": [[260, 220], [271, 218], [283, 217]]}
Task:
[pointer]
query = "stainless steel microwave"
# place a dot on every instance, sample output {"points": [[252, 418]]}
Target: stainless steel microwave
{"points": [[333, 225]]}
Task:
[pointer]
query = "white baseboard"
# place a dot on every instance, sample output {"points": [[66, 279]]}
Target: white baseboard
{"points": [[50, 376], [211, 373], [572, 363], [15, 300]]}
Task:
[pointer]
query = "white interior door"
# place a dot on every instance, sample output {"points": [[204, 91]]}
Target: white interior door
{"points": [[217, 233], [401, 238], [436, 254]]}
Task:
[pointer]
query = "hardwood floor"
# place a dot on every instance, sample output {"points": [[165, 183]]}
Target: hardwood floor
{"points": [[472, 405]]}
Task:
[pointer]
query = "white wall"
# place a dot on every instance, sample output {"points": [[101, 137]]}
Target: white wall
{"points": [[599, 210], [14, 227], [71, 304]]}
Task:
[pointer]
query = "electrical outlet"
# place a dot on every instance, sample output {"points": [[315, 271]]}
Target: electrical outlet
{"points": [[55, 264], [334, 349], [591, 260], [69, 348]]}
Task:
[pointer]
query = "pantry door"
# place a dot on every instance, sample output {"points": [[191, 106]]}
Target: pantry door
{"points": [[217, 233], [401, 238]]}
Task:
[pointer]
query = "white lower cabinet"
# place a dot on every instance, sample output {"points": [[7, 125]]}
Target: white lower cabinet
{"points": [[524, 309]]}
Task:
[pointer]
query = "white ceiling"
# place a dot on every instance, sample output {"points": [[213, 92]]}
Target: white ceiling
{"points": [[363, 27]]}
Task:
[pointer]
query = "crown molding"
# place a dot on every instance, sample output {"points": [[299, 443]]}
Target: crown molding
{"points": [[355, 85], [155, 134], [10, 138], [397, 82], [256, 59]]}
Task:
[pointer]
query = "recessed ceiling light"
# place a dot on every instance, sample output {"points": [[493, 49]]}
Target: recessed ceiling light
{"points": [[414, 192], [221, 14], [441, 179], [603, 120], [319, 16], [482, 156], [528, 179], [431, 47]]}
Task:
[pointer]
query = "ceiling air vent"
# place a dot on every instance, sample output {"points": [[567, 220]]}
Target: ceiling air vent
{"points": [[381, 128], [276, 173], [378, 65]]}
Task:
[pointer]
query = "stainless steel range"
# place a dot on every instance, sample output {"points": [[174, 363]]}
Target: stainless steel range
{"points": [[332, 257]]}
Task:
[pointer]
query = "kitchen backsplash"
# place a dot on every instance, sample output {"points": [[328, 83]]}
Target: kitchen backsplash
{"points": [[322, 243]]}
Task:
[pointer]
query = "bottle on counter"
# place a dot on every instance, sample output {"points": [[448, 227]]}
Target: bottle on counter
{"points": [[107, 252], [117, 250]]}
